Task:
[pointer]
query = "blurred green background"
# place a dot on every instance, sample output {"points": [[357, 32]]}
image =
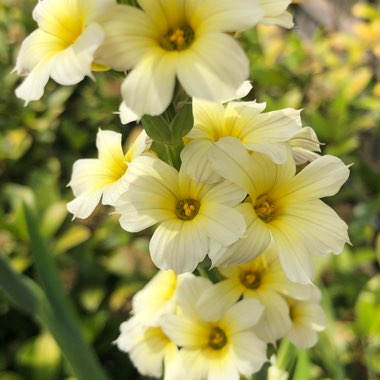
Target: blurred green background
{"points": [[329, 65]]}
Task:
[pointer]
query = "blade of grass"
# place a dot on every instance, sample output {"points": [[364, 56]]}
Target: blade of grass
{"points": [[58, 313]]}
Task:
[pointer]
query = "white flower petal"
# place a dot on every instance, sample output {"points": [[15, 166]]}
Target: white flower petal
{"points": [[216, 299], [224, 15], [275, 321], [222, 223], [206, 72], [243, 315], [231, 160], [249, 352], [83, 205], [293, 253], [195, 163], [148, 88], [178, 245], [321, 178], [110, 149], [74, 63]]}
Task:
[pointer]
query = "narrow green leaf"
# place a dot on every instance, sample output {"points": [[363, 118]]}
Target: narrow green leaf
{"points": [[19, 288], [57, 312]]}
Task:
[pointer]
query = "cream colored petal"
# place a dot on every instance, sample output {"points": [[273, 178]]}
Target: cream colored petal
{"points": [[214, 301], [84, 204], [188, 295], [242, 315], [253, 243], [149, 174], [231, 160], [213, 68], [195, 363], [126, 114], [139, 146], [320, 226], [164, 13], [222, 367], [221, 223], [151, 344], [89, 174], [302, 336], [113, 192], [110, 150], [32, 88], [129, 36], [185, 332], [224, 192], [141, 210], [293, 253], [208, 120], [74, 63], [224, 15], [275, 322], [275, 126], [274, 7], [249, 352], [148, 88], [195, 163], [321, 178], [285, 20], [178, 245]]}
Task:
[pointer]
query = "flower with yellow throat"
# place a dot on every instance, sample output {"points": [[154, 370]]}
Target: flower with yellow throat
{"points": [[93, 179], [284, 208], [190, 40], [63, 46], [193, 216], [216, 343]]}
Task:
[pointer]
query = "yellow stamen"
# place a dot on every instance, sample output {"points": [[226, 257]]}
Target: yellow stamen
{"points": [[264, 208], [177, 39], [186, 209]]}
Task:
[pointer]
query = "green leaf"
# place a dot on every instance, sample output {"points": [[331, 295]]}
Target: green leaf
{"points": [[57, 312], [182, 123]]}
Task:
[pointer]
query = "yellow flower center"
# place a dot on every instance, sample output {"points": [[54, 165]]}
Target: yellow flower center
{"points": [[186, 209], [264, 208], [217, 338], [177, 39], [250, 279]]}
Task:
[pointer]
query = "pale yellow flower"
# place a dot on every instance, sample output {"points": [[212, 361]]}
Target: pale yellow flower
{"points": [[265, 132], [103, 178], [192, 214], [187, 40], [216, 343], [284, 208], [63, 46], [308, 318], [262, 279], [158, 297], [150, 350]]}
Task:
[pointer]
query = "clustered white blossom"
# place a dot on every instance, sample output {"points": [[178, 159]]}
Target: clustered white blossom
{"points": [[246, 196]]}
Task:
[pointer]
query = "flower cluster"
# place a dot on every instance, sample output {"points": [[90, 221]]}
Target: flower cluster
{"points": [[187, 324], [224, 182]]}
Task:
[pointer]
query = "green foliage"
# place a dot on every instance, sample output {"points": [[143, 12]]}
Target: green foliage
{"points": [[333, 76]]}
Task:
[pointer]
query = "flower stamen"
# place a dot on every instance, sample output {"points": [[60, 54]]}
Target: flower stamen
{"points": [[178, 39], [264, 208], [187, 209], [217, 338], [250, 279]]}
